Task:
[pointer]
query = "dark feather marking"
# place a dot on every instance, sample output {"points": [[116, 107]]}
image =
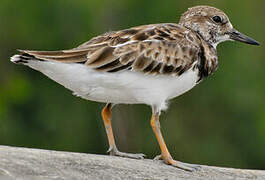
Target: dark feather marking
{"points": [[181, 71], [162, 33], [151, 32], [149, 67], [140, 37], [168, 69], [158, 38], [178, 69], [81, 62], [167, 30], [127, 66], [176, 60], [156, 55], [194, 67], [173, 25], [157, 68], [26, 56], [203, 70], [109, 66]]}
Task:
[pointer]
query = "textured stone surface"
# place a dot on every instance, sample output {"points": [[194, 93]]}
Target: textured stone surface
{"points": [[36, 164]]}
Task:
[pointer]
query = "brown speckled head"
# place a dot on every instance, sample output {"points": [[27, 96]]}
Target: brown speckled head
{"points": [[212, 25]]}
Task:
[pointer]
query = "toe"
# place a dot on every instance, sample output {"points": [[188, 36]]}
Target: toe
{"points": [[195, 167], [184, 166], [129, 155]]}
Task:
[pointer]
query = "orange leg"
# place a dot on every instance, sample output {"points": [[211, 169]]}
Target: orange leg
{"points": [[106, 116], [165, 155]]}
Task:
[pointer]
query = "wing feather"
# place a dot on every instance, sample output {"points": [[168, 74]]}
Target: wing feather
{"points": [[153, 49]]}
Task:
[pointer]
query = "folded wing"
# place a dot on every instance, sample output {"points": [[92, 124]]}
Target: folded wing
{"points": [[152, 49]]}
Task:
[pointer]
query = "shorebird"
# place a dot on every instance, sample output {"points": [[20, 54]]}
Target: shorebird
{"points": [[148, 64]]}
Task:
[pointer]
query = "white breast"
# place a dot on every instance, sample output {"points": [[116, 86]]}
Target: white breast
{"points": [[126, 87]]}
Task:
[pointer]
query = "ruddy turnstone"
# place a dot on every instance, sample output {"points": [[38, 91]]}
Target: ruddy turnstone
{"points": [[148, 64]]}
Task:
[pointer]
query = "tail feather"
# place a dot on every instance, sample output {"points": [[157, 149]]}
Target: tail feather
{"points": [[61, 56], [23, 58], [56, 54]]}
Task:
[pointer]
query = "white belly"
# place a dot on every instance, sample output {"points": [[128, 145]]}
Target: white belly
{"points": [[121, 87]]}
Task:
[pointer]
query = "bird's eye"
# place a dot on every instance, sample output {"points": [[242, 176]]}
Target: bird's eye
{"points": [[217, 19]]}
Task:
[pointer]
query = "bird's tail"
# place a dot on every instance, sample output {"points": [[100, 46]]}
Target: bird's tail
{"points": [[23, 58], [67, 56]]}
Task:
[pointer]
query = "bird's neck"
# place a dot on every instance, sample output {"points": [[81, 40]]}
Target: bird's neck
{"points": [[208, 62]]}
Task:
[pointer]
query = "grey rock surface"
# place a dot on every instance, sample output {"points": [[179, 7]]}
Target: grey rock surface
{"points": [[35, 164]]}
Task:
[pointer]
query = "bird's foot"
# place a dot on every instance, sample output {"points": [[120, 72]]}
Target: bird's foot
{"points": [[178, 164], [115, 152]]}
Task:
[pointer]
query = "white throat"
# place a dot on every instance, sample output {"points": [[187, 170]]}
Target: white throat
{"points": [[221, 39]]}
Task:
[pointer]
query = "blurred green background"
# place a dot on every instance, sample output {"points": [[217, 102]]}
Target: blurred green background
{"points": [[220, 122]]}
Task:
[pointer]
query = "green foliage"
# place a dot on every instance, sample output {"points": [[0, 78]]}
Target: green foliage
{"points": [[220, 122]]}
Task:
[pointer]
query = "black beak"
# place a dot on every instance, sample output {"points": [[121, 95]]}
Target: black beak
{"points": [[238, 36]]}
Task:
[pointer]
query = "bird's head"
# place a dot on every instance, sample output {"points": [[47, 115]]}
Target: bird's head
{"points": [[212, 25]]}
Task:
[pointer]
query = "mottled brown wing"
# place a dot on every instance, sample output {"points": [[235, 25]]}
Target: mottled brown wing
{"points": [[155, 49], [149, 56]]}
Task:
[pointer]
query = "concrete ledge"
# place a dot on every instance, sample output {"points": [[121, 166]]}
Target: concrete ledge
{"points": [[35, 164]]}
